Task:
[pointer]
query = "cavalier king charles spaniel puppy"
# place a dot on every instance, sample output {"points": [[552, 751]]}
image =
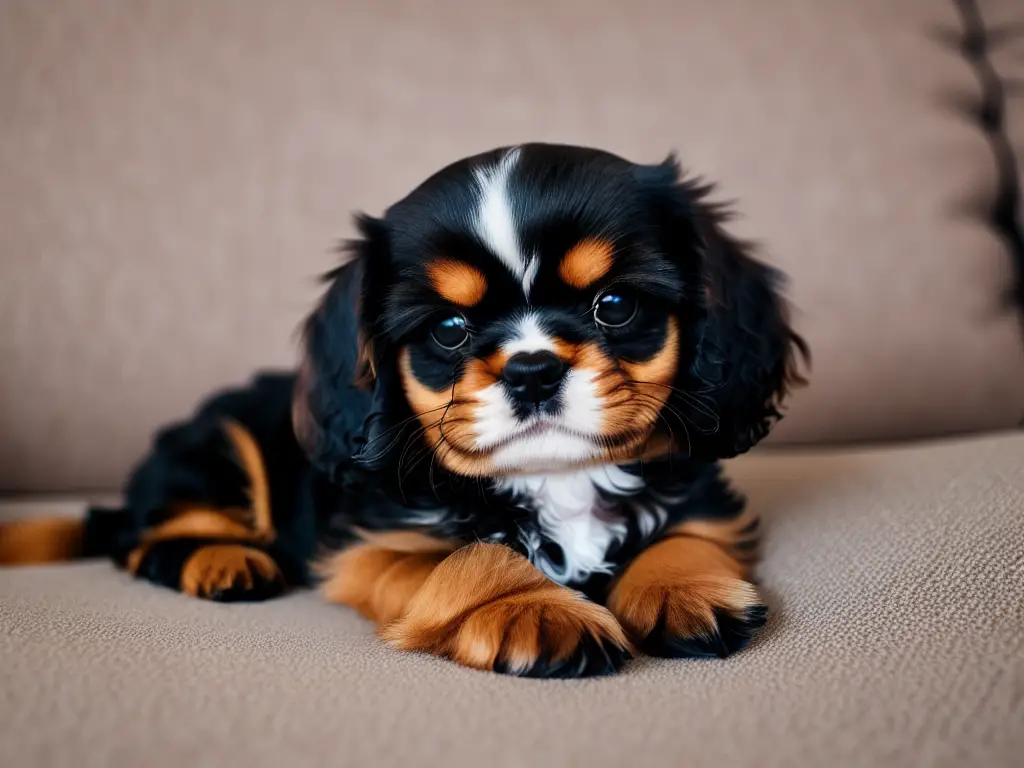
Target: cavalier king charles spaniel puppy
{"points": [[502, 443]]}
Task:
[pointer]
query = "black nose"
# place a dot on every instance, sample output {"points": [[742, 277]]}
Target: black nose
{"points": [[533, 377]]}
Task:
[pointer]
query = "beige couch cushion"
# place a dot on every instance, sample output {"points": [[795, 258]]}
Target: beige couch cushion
{"points": [[172, 175], [1003, 21], [896, 639]]}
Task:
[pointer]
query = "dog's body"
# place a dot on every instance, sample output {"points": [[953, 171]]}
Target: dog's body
{"points": [[578, 527], [516, 391]]}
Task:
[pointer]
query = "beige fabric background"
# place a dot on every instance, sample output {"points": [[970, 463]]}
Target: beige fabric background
{"points": [[173, 174], [896, 639], [1005, 22]]}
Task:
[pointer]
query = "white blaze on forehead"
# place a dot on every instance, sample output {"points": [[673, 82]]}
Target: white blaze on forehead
{"points": [[495, 221], [529, 337]]}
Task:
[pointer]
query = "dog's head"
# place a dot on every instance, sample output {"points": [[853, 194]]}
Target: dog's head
{"points": [[540, 308]]}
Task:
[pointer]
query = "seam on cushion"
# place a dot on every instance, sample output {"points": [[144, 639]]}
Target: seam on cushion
{"points": [[1004, 212]]}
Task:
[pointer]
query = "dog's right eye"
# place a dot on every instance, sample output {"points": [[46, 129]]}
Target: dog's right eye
{"points": [[615, 310], [451, 332]]}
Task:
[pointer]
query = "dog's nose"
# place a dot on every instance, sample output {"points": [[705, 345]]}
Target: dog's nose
{"points": [[533, 377]]}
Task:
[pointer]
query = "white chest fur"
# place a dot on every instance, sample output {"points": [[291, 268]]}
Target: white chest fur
{"points": [[574, 512]]}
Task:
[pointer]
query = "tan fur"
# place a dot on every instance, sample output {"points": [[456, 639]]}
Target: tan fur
{"points": [[251, 459], [406, 541], [200, 522], [660, 369], [485, 604], [219, 567], [134, 559], [457, 282], [366, 365], [447, 420], [680, 581], [586, 262], [379, 576], [738, 536], [50, 540]]}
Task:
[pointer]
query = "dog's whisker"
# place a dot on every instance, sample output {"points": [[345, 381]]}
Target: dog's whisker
{"points": [[410, 443], [386, 449], [682, 422], [691, 400], [405, 421]]}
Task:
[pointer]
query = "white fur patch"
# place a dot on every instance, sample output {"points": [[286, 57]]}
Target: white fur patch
{"points": [[573, 514], [494, 419], [549, 449], [530, 274], [495, 220], [581, 405], [529, 337]]}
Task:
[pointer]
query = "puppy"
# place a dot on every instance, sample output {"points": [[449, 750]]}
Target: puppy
{"points": [[501, 445]]}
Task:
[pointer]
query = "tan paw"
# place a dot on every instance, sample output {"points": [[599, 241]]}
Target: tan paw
{"points": [[684, 597], [231, 573], [488, 608]]}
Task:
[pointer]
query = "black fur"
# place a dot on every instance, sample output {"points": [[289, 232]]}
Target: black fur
{"points": [[733, 634], [340, 440], [593, 658]]}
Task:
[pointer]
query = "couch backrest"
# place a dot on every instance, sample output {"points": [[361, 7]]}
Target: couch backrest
{"points": [[173, 176]]}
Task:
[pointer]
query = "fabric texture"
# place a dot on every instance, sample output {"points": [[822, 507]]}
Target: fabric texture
{"points": [[896, 638], [174, 175]]}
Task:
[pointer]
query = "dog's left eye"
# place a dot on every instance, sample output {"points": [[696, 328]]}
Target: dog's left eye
{"points": [[451, 332], [614, 310]]}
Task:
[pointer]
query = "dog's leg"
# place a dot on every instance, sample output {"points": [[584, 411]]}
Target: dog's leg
{"points": [[688, 594], [379, 576], [208, 553], [222, 553], [219, 570], [487, 607]]}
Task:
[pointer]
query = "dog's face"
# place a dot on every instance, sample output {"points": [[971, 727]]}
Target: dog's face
{"points": [[541, 308]]}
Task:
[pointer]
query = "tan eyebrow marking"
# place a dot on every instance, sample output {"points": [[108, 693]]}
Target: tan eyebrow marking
{"points": [[586, 262], [457, 282]]}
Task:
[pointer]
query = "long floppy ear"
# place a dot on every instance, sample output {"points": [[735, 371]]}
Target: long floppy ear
{"points": [[338, 390], [746, 355]]}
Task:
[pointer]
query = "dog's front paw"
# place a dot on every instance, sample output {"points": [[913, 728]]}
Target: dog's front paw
{"points": [[709, 619], [674, 608], [488, 608]]}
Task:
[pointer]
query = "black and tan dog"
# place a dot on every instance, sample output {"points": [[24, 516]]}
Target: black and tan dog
{"points": [[502, 443]]}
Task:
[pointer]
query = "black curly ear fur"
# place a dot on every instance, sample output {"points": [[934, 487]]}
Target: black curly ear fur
{"points": [[337, 390], [747, 357]]}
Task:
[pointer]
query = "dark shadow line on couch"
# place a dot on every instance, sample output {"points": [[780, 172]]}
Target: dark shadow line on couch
{"points": [[988, 112]]}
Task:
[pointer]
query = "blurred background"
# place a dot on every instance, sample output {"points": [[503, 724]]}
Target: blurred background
{"points": [[174, 175]]}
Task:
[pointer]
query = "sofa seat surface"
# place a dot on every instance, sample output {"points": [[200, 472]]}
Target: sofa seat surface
{"points": [[895, 577]]}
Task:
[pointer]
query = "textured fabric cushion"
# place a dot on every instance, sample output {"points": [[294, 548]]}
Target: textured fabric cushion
{"points": [[172, 176], [896, 639]]}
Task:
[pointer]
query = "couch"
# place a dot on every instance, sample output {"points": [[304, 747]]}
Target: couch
{"points": [[172, 179]]}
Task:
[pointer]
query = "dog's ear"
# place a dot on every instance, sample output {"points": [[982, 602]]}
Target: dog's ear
{"points": [[745, 356], [340, 391]]}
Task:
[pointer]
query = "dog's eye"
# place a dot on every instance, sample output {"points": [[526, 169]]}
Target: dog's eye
{"points": [[614, 310], [451, 332]]}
